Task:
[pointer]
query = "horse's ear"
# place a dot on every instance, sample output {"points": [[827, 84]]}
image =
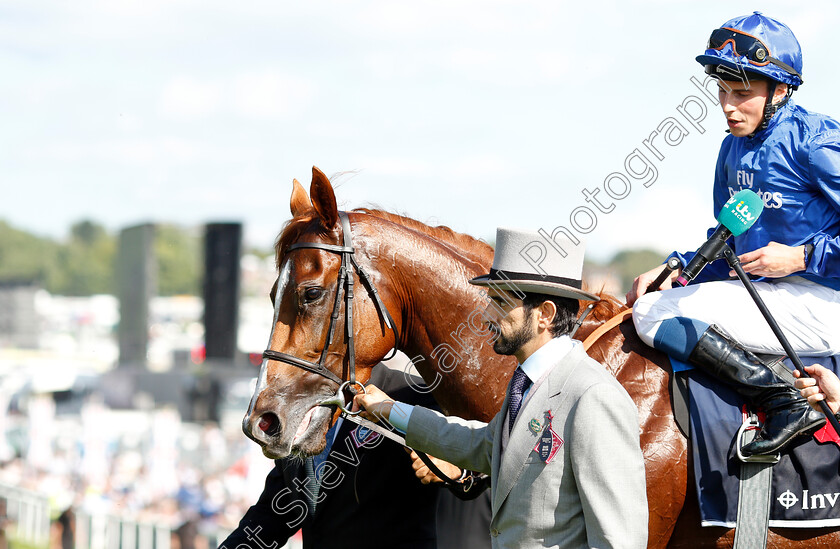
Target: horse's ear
{"points": [[300, 203], [323, 198]]}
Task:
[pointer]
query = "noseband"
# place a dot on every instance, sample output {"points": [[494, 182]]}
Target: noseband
{"points": [[344, 285]]}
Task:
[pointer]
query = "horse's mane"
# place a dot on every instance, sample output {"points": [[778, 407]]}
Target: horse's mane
{"points": [[608, 307], [462, 243]]}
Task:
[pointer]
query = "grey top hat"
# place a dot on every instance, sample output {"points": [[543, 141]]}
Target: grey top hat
{"points": [[526, 261]]}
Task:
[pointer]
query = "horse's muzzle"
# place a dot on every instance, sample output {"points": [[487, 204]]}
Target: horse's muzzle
{"points": [[261, 428], [300, 434]]}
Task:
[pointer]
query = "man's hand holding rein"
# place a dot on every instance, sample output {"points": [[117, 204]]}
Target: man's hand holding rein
{"points": [[375, 404]]}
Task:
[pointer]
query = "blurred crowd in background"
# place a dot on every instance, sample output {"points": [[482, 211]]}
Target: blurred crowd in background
{"points": [[176, 465], [141, 466]]}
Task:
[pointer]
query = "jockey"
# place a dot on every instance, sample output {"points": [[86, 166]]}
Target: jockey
{"points": [[791, 158]]}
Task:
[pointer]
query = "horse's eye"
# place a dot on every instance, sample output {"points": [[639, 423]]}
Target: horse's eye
{"points": [[312, 294]]}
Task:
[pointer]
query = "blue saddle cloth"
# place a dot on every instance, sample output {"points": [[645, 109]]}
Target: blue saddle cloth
{"points": [[806, 481]]}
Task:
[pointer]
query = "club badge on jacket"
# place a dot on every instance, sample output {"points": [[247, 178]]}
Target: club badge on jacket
{"points": [[549, 442]]}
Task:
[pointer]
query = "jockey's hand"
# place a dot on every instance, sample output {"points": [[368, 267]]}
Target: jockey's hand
{"points": [[425, 475], [375, 404], [822, 385], [773, 260], [641, 283]]}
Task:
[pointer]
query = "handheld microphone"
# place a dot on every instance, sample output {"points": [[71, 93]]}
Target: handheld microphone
{"points": [[737, 215]]}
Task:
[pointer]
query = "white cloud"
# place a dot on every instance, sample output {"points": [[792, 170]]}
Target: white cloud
{"points": [[269, 94], [476, 167], [393, 166], [190, 98], [159, 151], [262, 94], [130, 122]]}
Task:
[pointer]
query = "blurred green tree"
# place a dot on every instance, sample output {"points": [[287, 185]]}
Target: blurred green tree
{"points": [[85, 263], [628, 264], [180, 260], [26, 257]]}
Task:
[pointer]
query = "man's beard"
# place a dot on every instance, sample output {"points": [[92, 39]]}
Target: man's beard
{"points": [[509, 345]]}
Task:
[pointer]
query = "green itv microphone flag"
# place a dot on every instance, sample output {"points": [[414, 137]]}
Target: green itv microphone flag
{"points": [[740, 212]]}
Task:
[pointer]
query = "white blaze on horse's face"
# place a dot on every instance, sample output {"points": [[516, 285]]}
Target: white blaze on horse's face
{"points": [[311, 357], [262, 380], [277, 418]]}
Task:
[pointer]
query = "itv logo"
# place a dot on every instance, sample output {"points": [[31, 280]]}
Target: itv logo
{"points": [[740, 209]]}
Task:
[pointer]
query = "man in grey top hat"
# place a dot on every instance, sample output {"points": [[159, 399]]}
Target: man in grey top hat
{"points": [[563, 453]]}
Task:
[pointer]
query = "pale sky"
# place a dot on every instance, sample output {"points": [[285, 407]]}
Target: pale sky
{"points": [[472, 114]]}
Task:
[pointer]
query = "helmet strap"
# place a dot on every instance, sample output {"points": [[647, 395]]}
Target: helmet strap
{"points": [[770, 108]]}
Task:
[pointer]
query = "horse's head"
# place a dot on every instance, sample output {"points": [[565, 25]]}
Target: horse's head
{"points": [[310, 350]]}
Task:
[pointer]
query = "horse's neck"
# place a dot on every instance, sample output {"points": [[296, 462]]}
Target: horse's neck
{"points": [[442, 332]]}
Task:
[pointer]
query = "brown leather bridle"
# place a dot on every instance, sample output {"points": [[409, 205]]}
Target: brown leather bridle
{"points": [[344, 285]]}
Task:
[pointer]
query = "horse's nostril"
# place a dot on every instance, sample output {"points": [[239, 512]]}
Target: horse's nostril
{"points": [[269, 424]]}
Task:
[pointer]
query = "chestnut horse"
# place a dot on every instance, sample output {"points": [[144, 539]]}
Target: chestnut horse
{"points": [[420, 274]]}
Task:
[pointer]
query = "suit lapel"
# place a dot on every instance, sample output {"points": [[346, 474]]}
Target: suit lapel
{"points": [[496, 458], [522, 441]]}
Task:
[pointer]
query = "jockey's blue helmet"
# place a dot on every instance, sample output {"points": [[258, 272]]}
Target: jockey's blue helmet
{"points": [[754, 44]]}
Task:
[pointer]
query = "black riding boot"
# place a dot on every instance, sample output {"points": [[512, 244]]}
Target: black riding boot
{"points": [[788, 414]]}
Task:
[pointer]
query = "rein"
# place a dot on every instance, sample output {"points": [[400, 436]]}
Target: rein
{"points": [[345, 287], [606, 327]]}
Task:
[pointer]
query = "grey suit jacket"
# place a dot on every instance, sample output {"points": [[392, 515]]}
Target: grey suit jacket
{"points": [[591, 494]]}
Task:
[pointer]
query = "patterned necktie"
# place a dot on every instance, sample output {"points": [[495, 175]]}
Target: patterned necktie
{"points": [[518, 384], [312, 487], [312, 465]]}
